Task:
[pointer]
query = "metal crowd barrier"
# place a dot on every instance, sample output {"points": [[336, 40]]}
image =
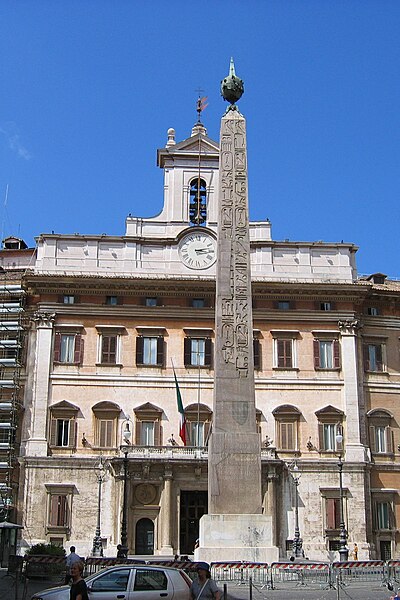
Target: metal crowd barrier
{"points": [[359, 570], [240, 572], [307, 574], [394, 570]]}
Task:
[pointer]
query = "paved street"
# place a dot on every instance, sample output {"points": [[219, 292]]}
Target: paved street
{"points": [[363, 591]]}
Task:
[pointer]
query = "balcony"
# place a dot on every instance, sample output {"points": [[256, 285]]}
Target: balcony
{"points": [[161, 453]]}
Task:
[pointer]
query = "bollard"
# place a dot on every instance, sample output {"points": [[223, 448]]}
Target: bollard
{"points": [[225, 591], [251, 588]]}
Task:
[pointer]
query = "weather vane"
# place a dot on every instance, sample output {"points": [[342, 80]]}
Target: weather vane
{"points": [[232, 88], [201, 104]]}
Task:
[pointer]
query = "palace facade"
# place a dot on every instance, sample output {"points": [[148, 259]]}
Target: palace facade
{"points": [[111, 316]]}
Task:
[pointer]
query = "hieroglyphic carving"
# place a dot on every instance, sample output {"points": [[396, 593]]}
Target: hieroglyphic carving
{"points": [[236, 327]]}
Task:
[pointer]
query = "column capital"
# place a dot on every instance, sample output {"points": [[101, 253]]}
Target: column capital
{"points": [[43, 320], [349, 326]]}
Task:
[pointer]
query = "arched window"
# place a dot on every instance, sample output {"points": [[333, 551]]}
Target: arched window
{"points": [[287, 418], [198, 202]]}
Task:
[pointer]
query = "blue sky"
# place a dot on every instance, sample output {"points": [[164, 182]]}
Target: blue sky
{"points": [[90, 87]]}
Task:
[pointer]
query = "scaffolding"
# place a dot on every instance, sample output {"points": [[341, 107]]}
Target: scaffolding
{"points": [[12, 301]]}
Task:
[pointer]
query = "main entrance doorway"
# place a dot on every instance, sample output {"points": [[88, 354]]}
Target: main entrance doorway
{"points": [[144, 538], [193, 506]]}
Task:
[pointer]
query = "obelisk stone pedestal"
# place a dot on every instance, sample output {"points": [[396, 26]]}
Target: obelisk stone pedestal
{"points": [[234, 529]]}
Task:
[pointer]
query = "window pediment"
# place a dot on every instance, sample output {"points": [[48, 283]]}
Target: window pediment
{"points": [[329, 411], [286, 411], [379, 413], [147, 408], [64, 408], [106, 407]]}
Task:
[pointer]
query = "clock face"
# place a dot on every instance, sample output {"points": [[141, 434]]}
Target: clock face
{"points": [[197, 250]]}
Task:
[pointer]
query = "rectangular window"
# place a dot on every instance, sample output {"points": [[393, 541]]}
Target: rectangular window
{"points": [[198, 352], [332, 508], [147, 433], [197, 433], [67, 349], [284, 353], [373, 357], [283, 305], [329, 437], [383, 515], [151, 302], [380, 438], [105, 433], [63, 431], [59, 510], [112, 300], [326, 354], [325, 306], [150, 350], [198, 303], [109, 346], [68, 299]]}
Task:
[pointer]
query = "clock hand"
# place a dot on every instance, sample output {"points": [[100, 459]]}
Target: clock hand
{"points": [[202, 251]]}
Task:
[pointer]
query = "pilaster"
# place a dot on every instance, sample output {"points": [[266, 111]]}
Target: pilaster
{"points": [[355, 450], [37, 442]]}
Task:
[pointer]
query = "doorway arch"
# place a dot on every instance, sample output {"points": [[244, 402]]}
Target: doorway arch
{"points": [[144, 537]]}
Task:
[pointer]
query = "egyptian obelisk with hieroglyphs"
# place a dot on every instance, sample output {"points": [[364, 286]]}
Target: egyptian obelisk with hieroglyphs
{"points": [[235, 528]]}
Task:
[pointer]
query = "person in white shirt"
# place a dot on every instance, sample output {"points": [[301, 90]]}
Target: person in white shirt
{"points": [[71, 559]]}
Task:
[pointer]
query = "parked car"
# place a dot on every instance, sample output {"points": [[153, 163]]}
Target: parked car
{"points": [[129, 582]]}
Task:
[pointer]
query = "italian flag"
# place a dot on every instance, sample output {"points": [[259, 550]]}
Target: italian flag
{"points": [[182, 420]]}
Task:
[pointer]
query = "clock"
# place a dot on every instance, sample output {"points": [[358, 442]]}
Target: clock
{"points": [[197, 250]]}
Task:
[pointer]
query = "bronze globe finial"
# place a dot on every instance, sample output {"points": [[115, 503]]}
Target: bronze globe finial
{"points": [[232, 87]]}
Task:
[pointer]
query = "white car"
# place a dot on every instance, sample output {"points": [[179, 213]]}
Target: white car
{"points": [[129, 582]]}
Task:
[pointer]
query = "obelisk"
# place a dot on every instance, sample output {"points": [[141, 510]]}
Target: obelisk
{"points": [[234, 528]]}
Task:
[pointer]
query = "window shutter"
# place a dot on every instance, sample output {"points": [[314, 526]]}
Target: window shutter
{"points": [[330, 513], [336, 354], [187, 347], [65, 511], [53, 510], [57, 347], [53, 432], [157, 433], [78, 349], [72, 433], [139, 351], [256, 352], [138, 432], [207, 426], [208, 352], [280, 344], [160, 351], [288, 353], [321, 437], [389, 439], [287, 436], [379, 358], [317, 362], [372, 444], [366, 357]]}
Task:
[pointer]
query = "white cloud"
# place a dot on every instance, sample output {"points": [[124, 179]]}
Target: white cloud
{"points": [[14, 140]]}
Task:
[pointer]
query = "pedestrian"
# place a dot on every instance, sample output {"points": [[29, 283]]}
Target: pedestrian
{"points": [[354, 554], [204, 586], [78, 589], [72, 558], [121, 551]]}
